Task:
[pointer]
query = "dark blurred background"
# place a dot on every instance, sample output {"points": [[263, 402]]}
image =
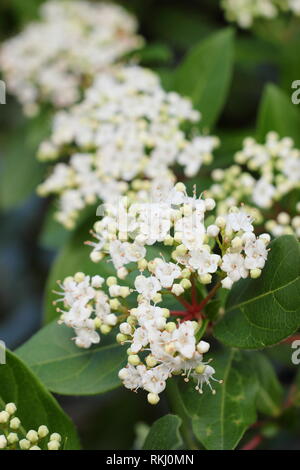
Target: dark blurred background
{"points": [[171, 27]]}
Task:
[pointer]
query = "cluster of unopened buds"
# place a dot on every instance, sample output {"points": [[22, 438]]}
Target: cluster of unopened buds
{"points": [[163, 250], [53, 59], [245, 12], [126, 127], [263, 178], [14, 436]]}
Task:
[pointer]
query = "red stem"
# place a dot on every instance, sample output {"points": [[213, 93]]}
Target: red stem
{"points": [[253, 443], [291, 339], [209, 296]]}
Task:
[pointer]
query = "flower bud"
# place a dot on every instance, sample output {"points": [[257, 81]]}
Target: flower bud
{"points": [[210, 204], [142, 264], [171, 326], [114, 304], [123, 373], [205, 278], [12, 438], [220, 222], [153, 398], [121, 338], [124, 291], [53, 445], [125, 328], [122, 273], [14, 423], [32, 436], [111, 281], [186, 283], [227, 283], [96, 256], [55, 437], [157, 298], [11, 408], [35, 448], [134, 360], [3, 442], [151, 361], [43, 431], [105, 329], [203, 347], [213, 231], [4, 417], [24, 444], [255, 273], [79, 277], [200, 369]]}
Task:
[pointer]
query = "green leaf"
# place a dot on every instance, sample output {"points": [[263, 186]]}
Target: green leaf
{"points": [[22, 172], [68, 370], [264, 311], [277, 113], [270, 391], [219, 421], [72, 258], [205, 75], [35, 404], [164, 434]]}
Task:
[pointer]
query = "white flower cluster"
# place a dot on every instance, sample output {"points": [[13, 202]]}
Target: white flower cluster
{"points": [[52, 59], [272, 173], [179, 221], [12, 428], [87, 308], [285, 224], [126, 127], [170, 249], [245, 12]]}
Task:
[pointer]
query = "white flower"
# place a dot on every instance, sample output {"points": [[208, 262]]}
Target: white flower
{"points": [[85, 337], [154, 380], [256, 254], [184, 339], [140, 339], [166, 273], [147, 286], [263, 193], [234, 265], [239, 220], [203, 261]]}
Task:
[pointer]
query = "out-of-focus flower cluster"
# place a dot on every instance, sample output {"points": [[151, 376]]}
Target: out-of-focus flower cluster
{"points": [[127, 127], [170, 248], [245, 12], [14, 436], [264, 176], [54, 58]]}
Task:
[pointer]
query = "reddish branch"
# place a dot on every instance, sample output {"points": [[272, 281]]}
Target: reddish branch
{"points": [[253, 443], [194, 309]]}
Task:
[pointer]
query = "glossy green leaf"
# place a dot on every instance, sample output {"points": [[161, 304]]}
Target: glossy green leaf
{"points": [[73, 257], [164, 434], [35, 405], [270, 391], [277, 113], [205, 75], [219, 421], [264, 311], [22, 172], [68, 370]]}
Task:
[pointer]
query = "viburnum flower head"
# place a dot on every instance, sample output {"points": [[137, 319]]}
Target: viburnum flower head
{"points": [[125, 136], [181, 257], [53, 59]]}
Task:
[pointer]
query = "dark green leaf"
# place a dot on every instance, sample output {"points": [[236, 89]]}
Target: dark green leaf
{"points": [[35, 404], [205, 75], [277, 113], [21, 171], [264, 311], [73, 257], [68, 370], [270, 392], [220, 420], [164, 434]]}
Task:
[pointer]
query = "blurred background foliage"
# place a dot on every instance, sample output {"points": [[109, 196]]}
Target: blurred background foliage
{"points": [[269, 53]]}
